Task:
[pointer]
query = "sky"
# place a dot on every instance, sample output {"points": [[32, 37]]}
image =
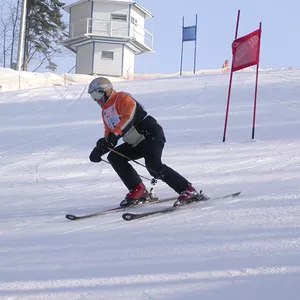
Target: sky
{"points": [[280, 46], [243, 248]]}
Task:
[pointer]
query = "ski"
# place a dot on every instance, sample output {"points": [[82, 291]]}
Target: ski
{"points": [[132, 216], [117, 209]]}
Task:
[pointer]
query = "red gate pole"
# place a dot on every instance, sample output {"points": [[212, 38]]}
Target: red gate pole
{"points": [[230, 80]]}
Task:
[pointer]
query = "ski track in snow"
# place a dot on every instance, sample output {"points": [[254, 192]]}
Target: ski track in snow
{"points": [[242, 248]]}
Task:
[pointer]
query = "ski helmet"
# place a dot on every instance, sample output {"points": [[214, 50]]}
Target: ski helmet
{"points": [[97, 89]]}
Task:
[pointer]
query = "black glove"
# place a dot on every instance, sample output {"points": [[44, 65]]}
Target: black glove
{"points": [[101, 144], [111, 140], [95, 155]]}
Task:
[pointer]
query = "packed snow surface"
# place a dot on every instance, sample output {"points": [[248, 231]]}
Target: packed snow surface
{"points": [[233, 249]]}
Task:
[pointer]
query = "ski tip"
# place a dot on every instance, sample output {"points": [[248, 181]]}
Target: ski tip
{"points": [[236, 194], [128, 216], [71, 217]]}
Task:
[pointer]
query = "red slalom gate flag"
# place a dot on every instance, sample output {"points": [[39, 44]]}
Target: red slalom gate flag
{"points": [[245, 51]]}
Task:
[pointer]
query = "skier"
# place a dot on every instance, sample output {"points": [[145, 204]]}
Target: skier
{"points": [[143, 137]]}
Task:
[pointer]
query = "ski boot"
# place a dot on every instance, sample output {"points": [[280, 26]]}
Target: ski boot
{"points": [[188, 196], [138, 196]]}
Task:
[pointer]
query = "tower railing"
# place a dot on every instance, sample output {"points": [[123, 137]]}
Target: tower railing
{"points": [[111, 29]]}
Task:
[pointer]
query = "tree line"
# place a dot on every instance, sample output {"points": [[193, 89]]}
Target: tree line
{"points": [[43, 32]]}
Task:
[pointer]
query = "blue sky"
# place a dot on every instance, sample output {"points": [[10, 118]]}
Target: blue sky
{"points": [[280, 46]]}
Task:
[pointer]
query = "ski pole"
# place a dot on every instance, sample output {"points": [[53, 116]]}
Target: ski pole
{"points": [[117, 152], [128, 158], [152, 181]]}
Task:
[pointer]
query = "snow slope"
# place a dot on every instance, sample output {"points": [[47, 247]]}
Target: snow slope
{"points": [[246, 248]]}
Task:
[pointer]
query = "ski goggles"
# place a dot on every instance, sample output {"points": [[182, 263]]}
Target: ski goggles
{"points": [[98, 96]]}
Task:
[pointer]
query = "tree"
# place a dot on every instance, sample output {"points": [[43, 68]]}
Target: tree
{"points": [[44, 30], [4, 33], [15, 21], [9, 20]]}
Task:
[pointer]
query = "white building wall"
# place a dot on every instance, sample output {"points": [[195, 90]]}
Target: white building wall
{"points": [[84, 59], [128, 63], [102, 24], [78, 18], [138, 31], [139, 16], [107, 66]]}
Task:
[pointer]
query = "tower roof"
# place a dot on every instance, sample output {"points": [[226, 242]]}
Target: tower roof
{"points": [[148, 14]]}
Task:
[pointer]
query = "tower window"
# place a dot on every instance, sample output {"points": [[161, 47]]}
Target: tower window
{"points": [[133, 21], [119, 17], [109, 55]]}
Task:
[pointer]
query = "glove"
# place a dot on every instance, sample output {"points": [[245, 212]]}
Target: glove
{"points": [[111, 140], [101, 144], [95, 155]]}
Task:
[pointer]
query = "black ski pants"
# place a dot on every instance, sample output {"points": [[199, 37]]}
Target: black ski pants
{"points": [[151, 150]]}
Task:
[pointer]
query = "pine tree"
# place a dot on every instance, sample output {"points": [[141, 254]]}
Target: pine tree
{"points": [[44, 30]]}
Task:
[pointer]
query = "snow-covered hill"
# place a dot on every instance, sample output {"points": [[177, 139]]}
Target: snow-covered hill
{"points": [[246, 248]]}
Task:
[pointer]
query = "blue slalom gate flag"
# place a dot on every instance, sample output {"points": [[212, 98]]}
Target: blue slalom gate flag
{"points": [[189, 33]]}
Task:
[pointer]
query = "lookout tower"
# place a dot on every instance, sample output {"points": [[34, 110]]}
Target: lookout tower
{"points": [[106, 35]]}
